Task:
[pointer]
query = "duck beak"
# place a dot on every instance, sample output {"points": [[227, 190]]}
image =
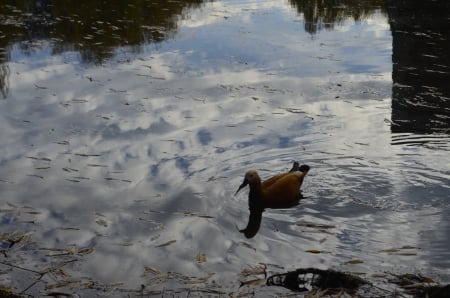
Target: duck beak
{"points": [[244, 184]]}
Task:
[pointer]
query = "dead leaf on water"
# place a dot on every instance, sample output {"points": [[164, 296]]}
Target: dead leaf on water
{"points": [[256, 270], [354, 261], [64, 283], [408, 247], [309, 224], [201, 258], [96, 165], [73, 180], [151, 270], [314, 251], [58, 294], [247, 245], [390, 250], [39, 87], [85, 251], [101, 222], [201, 280], [167, 243], [124, 244], [188, 213], [400, 251], [253, 282], [37, 176]]}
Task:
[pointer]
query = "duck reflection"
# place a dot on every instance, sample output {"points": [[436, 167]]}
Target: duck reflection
{"points": [[278, 192]]}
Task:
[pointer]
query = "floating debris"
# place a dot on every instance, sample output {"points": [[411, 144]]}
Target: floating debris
{"points": [[79, 100], [167, 243], [201, 280], [96, 165], [257, 270], [151, 270], [188, 213], [306, 279], [252, 283], [354, 261], [313, 251], [37, 176], [400, 251], [87, 155], [201, 258], [309, 224]]}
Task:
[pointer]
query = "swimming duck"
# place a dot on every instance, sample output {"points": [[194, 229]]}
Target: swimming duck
{"points": [[279, 191]]}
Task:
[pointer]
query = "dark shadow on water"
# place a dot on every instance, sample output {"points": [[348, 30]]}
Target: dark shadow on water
{"points": [[255, 217]]}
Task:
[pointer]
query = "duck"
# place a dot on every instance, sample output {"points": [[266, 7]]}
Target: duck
{"points": [[279, 191]]}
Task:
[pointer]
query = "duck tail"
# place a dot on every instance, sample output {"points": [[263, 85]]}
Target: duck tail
{"points": [[302, 171], [295, 167], [304, 168]]}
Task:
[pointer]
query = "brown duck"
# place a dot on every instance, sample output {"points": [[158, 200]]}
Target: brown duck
{"points": [[280, 191]]}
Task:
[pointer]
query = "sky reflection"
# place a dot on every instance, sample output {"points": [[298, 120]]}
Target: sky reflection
{"points": [[138, 157]]}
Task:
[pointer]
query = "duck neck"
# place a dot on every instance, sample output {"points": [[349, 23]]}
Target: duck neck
{"points": [[255, 195]]}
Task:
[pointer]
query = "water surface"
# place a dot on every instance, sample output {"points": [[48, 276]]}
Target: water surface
{"points": [[127, 129]]}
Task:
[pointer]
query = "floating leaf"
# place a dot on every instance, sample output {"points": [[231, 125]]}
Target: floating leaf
{"points": [[201, 258], [86, 251], [101, 222], [314, 251], [63, 283], [354, 261], [314, 225], [167, 243], [247, 245], [37, 176], [73, 180], [201, 280], [427, 279], [151, 270], [408, 247], [253, 282], [188, 213], [390, 250], [257, 270], [124, 244]]}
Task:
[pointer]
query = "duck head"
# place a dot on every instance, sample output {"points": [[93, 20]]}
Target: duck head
{"points": [[251, 177]]}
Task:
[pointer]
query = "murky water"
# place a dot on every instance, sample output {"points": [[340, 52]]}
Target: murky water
{"points": [[128, 126]]}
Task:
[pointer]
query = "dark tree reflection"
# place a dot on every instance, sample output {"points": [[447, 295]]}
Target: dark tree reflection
{"points": [[94, 28], [324, 14], [421, 65]]}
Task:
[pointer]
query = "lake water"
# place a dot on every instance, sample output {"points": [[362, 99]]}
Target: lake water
{"points": [[127, 127]]}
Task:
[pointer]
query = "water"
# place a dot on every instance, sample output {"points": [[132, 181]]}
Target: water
{"points": [[127, 129]]}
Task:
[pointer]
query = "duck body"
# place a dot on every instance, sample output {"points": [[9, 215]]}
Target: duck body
{"points": [[280, 191]]}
